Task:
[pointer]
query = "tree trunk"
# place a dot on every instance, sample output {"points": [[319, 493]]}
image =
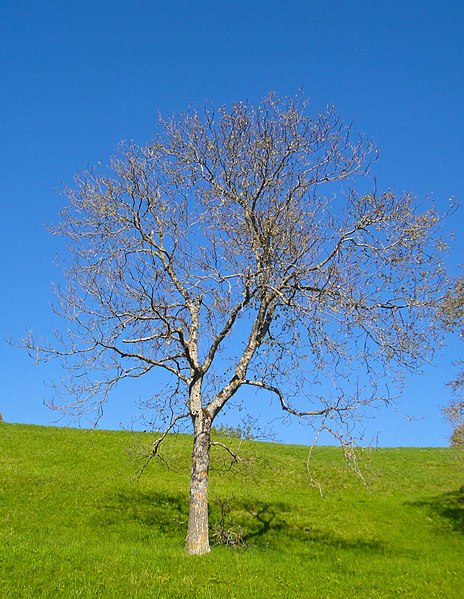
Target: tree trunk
{"points": [[197, 542]]}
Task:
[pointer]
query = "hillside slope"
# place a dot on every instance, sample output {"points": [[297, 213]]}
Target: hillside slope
{"points": [[75, 521]]}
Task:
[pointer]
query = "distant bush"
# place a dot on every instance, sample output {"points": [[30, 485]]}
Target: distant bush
{"points": [[454, 413], [233, 432], [457, 438]]}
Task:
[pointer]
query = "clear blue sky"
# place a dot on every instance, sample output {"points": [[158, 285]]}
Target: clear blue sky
{"points": [[79, 76]]}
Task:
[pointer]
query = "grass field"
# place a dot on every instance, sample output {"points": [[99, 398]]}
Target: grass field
{"points": [[76, 522]]}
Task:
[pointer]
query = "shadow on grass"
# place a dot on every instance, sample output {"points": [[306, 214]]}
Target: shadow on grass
{"points": [[270, 524], [263, 524], [449, 506], [163, 512], [274, 525]]}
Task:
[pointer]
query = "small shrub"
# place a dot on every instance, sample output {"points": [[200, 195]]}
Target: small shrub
{"points": [[226, 531]]}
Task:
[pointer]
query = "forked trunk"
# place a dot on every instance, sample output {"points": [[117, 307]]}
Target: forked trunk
{"points": [[197, 542]]}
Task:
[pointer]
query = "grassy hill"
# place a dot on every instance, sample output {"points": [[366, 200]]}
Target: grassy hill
{"points": [[76, 522]]}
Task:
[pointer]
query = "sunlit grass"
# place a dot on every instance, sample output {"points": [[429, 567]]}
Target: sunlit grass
{"points": [[75, 521]]}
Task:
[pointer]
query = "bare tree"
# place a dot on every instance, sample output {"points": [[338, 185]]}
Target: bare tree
{"points": [[232, 252], [453, 317]]}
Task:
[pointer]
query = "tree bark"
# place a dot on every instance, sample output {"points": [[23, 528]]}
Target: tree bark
{"points": [[197, 542]]}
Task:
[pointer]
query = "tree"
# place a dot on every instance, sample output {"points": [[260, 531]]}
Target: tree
{"points": [[453, 317], [227, 254]]}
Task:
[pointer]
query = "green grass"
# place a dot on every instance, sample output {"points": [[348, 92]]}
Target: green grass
{"points": [[75, 522]]}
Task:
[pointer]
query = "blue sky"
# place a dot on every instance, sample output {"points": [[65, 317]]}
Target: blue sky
{"points": [[80, 76]]}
